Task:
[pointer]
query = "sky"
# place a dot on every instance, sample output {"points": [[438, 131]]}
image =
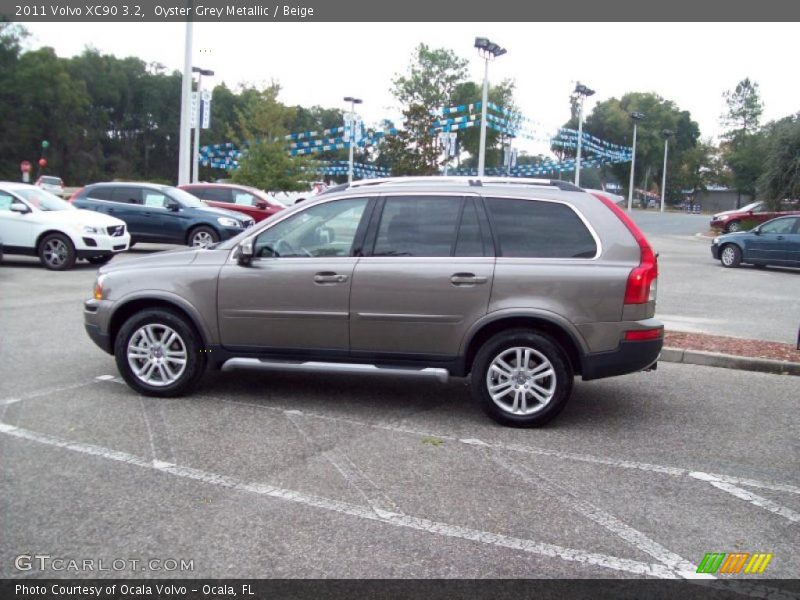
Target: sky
{"points": [[692, 64]]}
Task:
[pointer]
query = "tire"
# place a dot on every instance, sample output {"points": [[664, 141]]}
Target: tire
{"points": [[166, 377], [56, 252], [100, 260], [730, 256], [733, 227], [202, 236], [510, 346]]}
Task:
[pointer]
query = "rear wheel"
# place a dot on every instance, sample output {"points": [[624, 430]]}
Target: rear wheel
{"points": [[159, 353], [730, 256], [57, 252], [203, 236], [521, 378]]}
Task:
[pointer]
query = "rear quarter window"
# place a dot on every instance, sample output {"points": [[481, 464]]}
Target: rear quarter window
{"points": [[539, 229]]}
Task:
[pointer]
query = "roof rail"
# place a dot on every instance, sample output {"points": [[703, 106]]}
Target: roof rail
{"points": [[468, 180]]}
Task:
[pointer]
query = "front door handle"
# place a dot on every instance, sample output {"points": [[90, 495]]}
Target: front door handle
{"points": [[467, 279], [329, 277]]}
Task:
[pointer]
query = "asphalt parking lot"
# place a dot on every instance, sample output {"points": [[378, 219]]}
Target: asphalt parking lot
{"points": [[288, 475]]}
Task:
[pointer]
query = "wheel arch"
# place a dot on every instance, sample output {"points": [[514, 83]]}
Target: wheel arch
{"points": [[568, 341], [49, 231], [193, 226], [134, 305]]}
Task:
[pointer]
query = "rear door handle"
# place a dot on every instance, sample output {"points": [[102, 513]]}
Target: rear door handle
{"points": [[329, 277], [467, 279]]}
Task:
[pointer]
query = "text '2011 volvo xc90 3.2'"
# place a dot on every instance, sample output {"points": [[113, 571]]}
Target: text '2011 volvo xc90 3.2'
{"points": [[518, 284]]}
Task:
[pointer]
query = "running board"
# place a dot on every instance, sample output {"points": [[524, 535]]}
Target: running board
{"points": [[328, 367]]}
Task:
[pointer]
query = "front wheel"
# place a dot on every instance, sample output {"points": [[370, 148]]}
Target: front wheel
{"points": [[158, 353], [731, 256], [203, 236], [56, 252], [521, 378]]}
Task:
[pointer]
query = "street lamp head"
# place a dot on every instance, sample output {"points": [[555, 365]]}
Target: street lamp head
{"points": [[353, 100], [584, 90], [637, 116], [488, 49], [203, 72], [665, 133]]}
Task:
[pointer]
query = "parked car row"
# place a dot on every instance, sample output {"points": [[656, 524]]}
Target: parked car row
{"points": [[776, 242]]}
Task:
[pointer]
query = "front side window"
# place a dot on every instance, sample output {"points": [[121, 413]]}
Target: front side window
{"points": [[243, 198], [327, 229], [155, 199], [418, 226], [538, 229], [783, 226], [6, 200], [127, 195]]}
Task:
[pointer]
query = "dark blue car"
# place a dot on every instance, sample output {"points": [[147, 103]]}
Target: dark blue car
{"points": [[776, 242], [161, 213]]}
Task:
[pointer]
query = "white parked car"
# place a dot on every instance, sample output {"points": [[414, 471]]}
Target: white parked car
{"points": [[37, 223], [52, 184]]}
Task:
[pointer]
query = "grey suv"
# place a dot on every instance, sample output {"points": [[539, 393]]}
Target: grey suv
{"points": [[521, 284]]}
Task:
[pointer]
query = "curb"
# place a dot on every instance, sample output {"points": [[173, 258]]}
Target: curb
{"points": [[729, 361]]}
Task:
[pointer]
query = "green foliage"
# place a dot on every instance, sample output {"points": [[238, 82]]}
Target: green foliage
{"points": [[414, 150], [262, 123], [610, 120], [432, 77], [780, 179], [744, 109]]}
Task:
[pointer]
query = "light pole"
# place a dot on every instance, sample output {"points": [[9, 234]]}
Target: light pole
{"points": [[487, 51], [635, 117], [665, 133], [186, 127], [353, 102], [196, 153], [584, 92]]}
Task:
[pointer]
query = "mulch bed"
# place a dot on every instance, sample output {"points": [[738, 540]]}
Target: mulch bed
{"points": [[731, 345]]}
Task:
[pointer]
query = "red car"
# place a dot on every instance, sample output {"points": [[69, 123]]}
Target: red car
{"points": [[248, 200], [751, 215]]}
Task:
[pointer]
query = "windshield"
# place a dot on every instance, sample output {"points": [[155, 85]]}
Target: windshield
{"points": [[43, 200], [52, 180], [185, 198], [754, 206]]}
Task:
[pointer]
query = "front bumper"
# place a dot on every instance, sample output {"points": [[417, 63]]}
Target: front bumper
{"points": [[715, 251], [628, 357], [95, 244], [96, 317]]}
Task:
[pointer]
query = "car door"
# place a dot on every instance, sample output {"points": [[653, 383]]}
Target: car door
{"points": [[426, 278], [772, 242], [294, 295], [163, 217], [793, 239], [17, 230], [126, 204]]}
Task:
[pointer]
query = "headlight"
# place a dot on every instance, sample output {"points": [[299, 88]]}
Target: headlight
{"points": [[228, 222], [98, 287], [88, 229], [715, 241]]}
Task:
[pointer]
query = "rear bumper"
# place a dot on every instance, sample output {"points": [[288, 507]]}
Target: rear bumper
{"points": [[629, 357]]}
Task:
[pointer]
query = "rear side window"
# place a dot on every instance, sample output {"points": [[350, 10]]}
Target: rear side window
{"points": [[211, 194], [127, 195], [98, 193], [418, 226], [536, 229]]}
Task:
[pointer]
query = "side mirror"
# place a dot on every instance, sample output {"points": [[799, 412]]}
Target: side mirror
{"points": [[262, 204], [244, 253], [19, 207], [173, 206], [757, 231]]}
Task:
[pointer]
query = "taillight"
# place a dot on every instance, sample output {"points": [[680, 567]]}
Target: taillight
{"points": [[641, 286]]}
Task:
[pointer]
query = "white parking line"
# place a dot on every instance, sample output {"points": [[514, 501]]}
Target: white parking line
{"points": [[362, 512], [748, 496], [633, 536]]}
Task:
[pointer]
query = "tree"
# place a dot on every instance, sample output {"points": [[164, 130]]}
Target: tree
{"points": [[432, 77], [262, 124], [780, 178], [413, 150], [741, 148]]}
